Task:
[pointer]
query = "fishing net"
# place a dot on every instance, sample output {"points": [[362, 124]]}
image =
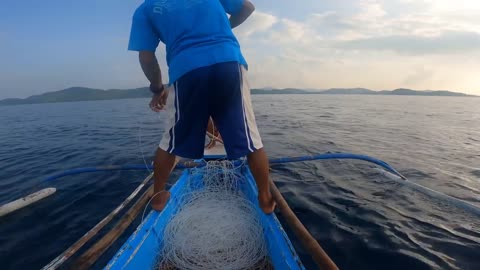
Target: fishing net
{"points": [[216, 227]]}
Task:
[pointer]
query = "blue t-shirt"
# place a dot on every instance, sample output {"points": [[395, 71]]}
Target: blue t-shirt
{"points": [[196, 33]]}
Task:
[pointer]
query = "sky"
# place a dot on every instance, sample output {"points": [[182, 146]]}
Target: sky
{"points": [[311, 44]]}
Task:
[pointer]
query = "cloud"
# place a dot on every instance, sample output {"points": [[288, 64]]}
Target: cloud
{"points": [[419, 75], [370, 10], [291, 32], [259, 22], [406, 17], [380, 45], [445, 43]]}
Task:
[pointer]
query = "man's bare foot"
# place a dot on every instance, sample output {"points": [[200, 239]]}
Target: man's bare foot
{"points": [[267, 203], [160, 200]]}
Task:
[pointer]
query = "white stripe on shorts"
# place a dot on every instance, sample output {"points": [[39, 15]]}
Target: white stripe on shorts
{"points": [[248, 112], [170, 119]]}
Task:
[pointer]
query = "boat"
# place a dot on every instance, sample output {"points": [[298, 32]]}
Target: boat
{"points": [[140, 251], [143, 248]]}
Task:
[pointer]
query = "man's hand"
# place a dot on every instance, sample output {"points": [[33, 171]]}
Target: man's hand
{"points": [[245, 12], [159, 101]]}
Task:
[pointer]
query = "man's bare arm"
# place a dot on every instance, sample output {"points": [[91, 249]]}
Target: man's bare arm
{"points": [[243, 14], [150, 67]]}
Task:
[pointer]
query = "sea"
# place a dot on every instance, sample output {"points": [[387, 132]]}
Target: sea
{"points": [[362, 218]]}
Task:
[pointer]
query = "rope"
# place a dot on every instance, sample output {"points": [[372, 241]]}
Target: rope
{"points": [[378, 162], [452, 200], [148, 203], [214, 135], [127, 167], [141, 148], [216, 227]]}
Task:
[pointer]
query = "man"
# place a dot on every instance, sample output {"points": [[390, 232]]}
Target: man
{"points": [[208, 74]]}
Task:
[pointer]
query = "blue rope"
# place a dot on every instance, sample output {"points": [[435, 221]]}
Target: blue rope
{"points": [[427, 191], [131, 167], [378, 162], [140, 167]]}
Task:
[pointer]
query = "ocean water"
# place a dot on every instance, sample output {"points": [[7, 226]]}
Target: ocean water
{"points": [[361, 218]]}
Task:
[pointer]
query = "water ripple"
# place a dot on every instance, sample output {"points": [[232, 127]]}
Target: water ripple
{"points": [[362, 219]]}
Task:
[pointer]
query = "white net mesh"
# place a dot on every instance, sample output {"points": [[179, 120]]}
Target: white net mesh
{"points": [[217, 227]]}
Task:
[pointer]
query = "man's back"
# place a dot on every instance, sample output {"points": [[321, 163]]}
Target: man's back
{"points": [[196, 33], [209, 77]]}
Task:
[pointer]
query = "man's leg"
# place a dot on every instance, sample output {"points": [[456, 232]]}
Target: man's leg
{"points": [[258, 162], [163, 166], [231, 109], [187, 116]]}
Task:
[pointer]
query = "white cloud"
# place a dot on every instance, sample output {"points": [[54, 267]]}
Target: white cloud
{"points": [[453, 6], [382, 45], [370, 10], [290, 32], [447, 42], [259, 22]]}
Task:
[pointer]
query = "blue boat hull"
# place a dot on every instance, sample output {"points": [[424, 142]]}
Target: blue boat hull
{"points": [[141, 250]]}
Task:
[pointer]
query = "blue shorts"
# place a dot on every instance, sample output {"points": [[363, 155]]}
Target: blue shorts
{"points": [[222, 92]]}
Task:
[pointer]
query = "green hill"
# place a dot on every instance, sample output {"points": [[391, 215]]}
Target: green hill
{"points": [[86, 94], [79, 94]]}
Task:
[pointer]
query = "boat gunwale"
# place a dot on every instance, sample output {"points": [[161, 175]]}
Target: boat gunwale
{"points": [[278, 240], [145, 226]]}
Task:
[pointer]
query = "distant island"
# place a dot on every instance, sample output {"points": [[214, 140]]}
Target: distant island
{"points": [[362, 91], [88, 94]]}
